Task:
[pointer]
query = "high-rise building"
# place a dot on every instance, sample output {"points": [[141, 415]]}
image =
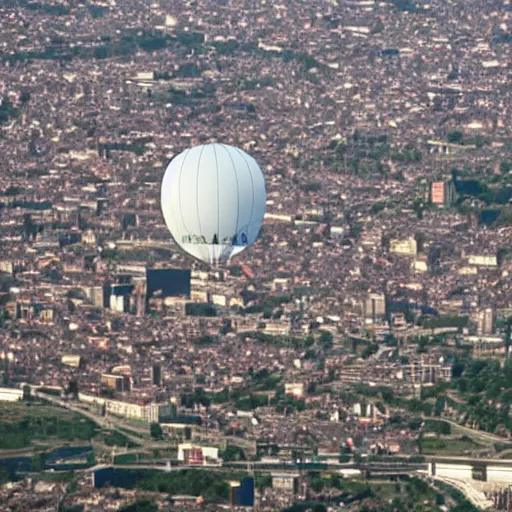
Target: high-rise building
{"points": [[442, 193], [168, 282], [375, 308], [156, 375], [119, 299], [139, 298], [242, 493], [120, 383], [486, 322]]}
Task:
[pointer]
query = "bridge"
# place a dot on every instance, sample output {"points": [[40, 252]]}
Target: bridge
{"points": [[477, 498], [456, 471], [154, 467], [481, 470]]}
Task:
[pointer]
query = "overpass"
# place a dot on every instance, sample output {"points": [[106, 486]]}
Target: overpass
{"points": [[482, 470], [153, 467]]}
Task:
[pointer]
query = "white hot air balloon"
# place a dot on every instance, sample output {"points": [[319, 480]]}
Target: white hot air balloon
{"points": [[213, 201]]}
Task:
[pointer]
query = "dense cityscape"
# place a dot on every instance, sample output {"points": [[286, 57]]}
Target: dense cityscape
{"points": [[356, 356]]}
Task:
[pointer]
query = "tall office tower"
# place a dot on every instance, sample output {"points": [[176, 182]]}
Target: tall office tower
{"points": [[242, 493], [140, 297], [121, 383], [374, 308]]}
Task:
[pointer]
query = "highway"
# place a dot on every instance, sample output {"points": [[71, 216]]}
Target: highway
{"points": [[103, 421], [118, 424], [477, 498], [258, 466], [153, 467], [475, 434], [468, 460], [114, 423], [375, 468]]}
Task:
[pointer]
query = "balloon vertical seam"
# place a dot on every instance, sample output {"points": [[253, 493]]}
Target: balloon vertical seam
{"points": [[237, 191], [215, 249], [197, 191], [179, 189], [252, 187]]}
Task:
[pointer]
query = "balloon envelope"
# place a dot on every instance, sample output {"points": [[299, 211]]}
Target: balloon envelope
{"points": [[213, 201]]}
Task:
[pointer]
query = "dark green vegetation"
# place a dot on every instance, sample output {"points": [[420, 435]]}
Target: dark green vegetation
{"points": [[368, 154], [438, 427], [115, 438], [494, 192], [463, 505], [136, 147], [126, 458], [57, 476], [133, 40], [462, 446], [480, 392], [261, 390], [458, 137], [407, 5], [156, 431], [212, 486], [268, 306], [381, 395], [483, 386], [7, 111], [72, 508], [23, 423], [409, 494], [42, 7], [5, 475], [283, 341], [487, 390], [446, 321], [199, 309], [232, 453], [140, 506]]}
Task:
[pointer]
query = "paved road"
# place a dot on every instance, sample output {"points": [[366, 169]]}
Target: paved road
{"points": [[470, 432], [477, 498], [103, 421], [114, 423], [154, 467], [22, 452]]}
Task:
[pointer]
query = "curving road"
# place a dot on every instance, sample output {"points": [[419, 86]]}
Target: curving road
{"points": [[484, 436], [477, 498], [114, 423]]}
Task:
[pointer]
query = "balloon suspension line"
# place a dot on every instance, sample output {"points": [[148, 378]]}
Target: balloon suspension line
{"points": [[211, 288]]}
